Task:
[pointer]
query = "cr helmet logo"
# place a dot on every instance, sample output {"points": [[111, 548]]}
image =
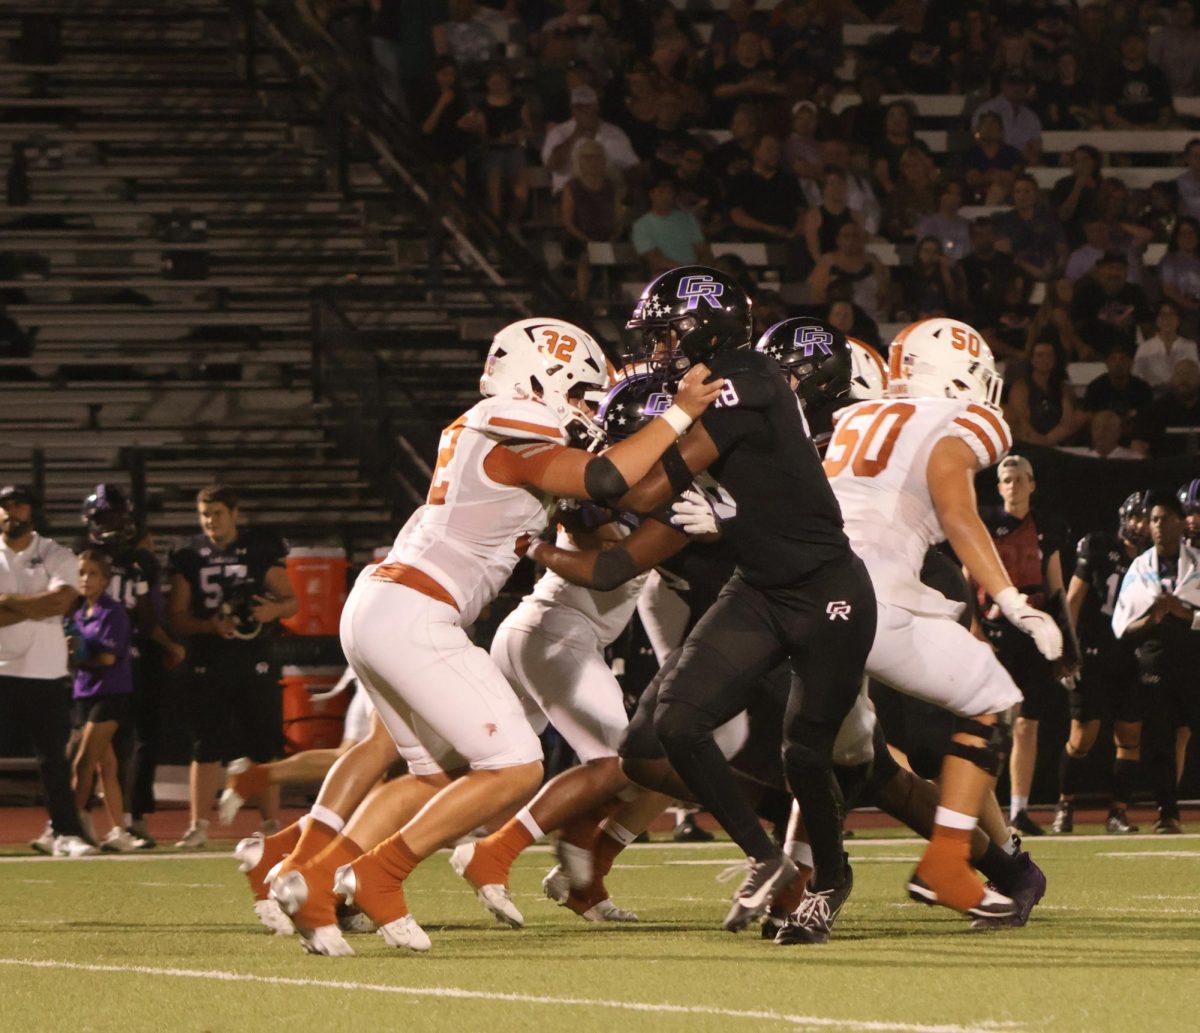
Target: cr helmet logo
{"points": [[658, 403], [693, 289], [838, 610], [810, 339]]}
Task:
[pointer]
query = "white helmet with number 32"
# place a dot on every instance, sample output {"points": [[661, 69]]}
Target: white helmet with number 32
{"points": [[552, 360], [943, 358]]}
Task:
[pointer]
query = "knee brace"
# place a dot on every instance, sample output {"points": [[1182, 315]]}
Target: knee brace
{"points": [[991, 756]]}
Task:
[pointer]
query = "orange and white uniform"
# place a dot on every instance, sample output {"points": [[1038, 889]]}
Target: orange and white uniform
{"points": [[877, 462], [442, 698]]}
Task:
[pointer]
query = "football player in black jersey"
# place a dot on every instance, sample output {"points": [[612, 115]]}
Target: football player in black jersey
{"points": [[1189, 499], [798, 593], [112, 525], [228, 588], [1108, 679]]}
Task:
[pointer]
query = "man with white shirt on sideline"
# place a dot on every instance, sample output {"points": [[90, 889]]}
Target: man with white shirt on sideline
{"points": [[1157, 357]]}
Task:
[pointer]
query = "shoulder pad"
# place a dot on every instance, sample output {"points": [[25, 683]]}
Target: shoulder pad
{"points": [[524, 419], [983, 429], [751, 379]]}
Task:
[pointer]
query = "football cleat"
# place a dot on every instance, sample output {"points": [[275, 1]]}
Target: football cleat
{"points": [[813, 920], [576, 863], [687, 831], [1025, 892], [606, 911], [327, 941], [763, 881], [351, 920], [290, 891], [1118, 822], [493, 896], [195, 838], [556, 886], [992, 905], [1021, 822], [404, 932], [1064, 819], [44, 844], [272, 916], [231, 800], [139, 831], [249, 853], [1168, 827], [119, 841], [73, 846]]}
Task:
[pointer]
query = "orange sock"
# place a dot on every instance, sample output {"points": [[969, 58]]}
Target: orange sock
{"points": [[380, 876], [275, 849], [946, 868], [605, 852], [494, 856], [315, 838], [583, 830], [321, 906], [252, 781]]}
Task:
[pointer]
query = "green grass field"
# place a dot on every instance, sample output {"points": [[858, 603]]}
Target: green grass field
{"points": [[170, 943]]}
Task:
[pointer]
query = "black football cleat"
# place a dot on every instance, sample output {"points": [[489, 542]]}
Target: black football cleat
{"points": [[993, 904], [1168, 826], [1064, 819], [1025, 892], [754, 896], [812, 921], [687, 831], [1023, 823]]}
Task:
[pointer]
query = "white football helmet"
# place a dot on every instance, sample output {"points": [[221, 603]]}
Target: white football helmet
{"points": [[552, 360], [868, 377], [943, 358]]}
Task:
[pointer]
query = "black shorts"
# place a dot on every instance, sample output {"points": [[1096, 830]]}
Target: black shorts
{"points": [[1032, 672], [920, 730], [1107, 686], [96, 709], [234, 704]]}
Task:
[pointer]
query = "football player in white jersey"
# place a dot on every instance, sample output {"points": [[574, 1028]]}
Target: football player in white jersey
{"points": [[903, 470], [454, 717]]}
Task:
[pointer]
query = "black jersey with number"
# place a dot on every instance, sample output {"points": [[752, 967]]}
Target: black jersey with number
{"points": [[136, 575], [1101, 562], [787, 522], [217, 574]]}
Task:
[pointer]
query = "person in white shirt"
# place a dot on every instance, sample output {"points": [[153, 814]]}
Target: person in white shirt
{"points": [[1106, 439], [39, 580], [1022, 127], [1157, 357], [584, 124]]}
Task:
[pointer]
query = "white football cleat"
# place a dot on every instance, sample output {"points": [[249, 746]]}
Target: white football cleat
{"points": [[272, 916], [290, 891], [404, 932], [576, 862], [356, 922], [556, 885], [44, 844], [607, 911], [493, 896], [248, 853], [195, 838], [73, 846], [119, 841], [327, 940], [231, 801]]}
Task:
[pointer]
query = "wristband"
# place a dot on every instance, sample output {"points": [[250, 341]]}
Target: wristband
{"points": [[677, 420]]}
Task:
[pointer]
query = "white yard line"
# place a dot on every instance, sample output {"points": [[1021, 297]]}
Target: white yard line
{"points": [[459, 993]]}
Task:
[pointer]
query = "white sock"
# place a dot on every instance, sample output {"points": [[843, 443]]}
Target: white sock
{"points": [[126, 819], [954, 819], [327, 817], [618, 831], [1018, 803], [799, 852], [526, 819]]}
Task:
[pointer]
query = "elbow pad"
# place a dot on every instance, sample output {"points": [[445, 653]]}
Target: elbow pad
{"points": [[613, 568], [602, 480]]}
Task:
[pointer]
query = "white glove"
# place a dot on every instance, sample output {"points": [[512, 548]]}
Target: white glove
{"points": [[1039, 626], [693, 513]]}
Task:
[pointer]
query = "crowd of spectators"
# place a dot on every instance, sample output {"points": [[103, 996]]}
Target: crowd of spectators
{"points": [[654, 133]]}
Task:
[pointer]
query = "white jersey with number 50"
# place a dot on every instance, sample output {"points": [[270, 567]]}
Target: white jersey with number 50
{"points": [[467, 533], [876, 462]]}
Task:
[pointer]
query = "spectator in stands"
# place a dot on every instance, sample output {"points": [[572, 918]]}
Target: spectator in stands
{"points": [[822, 221], [930, 286], [1022, 127], [987, 272], [666, 236], [1179, 272], [447, 120], [636, 111], [1098, 46], [1157, 356], [1014, 51], [1053, 318], [1048, 30], [913, 197], [1160, 211], [1104, 430], [698, 191], [473, 36], [769, 309], [1176, 49], [1101, 237], [1108, 307], [1030, 233], [590, 210], [1179, 408], [1128, 235], [863, 123], [668, 137], [886, 150], [1136, 94], [851, 263], [1041, 402], [841, 312], [740, 16], [765, 202], [1157, 609], [911, 57], [1068, 103], [803, 38], [970, 54], [1130, 397], [405, 46], [39, 582], [506, 128], [1188, 183], [1076, 198], [802, 152], [750, 76], [585, 124], [588, 31], [1009, 331], [946, 226], [990, 165], [735, 156], [860, 197]]}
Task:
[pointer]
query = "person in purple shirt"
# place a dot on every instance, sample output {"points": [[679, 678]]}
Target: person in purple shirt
{"points": [[101, 637]]}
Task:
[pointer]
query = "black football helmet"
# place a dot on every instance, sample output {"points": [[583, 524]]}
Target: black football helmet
{"points": [[1189, 499], [708, 311], [108, 516], [1131, 518], [813, 352], [634, 402]]}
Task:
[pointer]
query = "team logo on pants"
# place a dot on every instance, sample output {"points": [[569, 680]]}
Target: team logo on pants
{"points": [[694, 288], [838, 610]]}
